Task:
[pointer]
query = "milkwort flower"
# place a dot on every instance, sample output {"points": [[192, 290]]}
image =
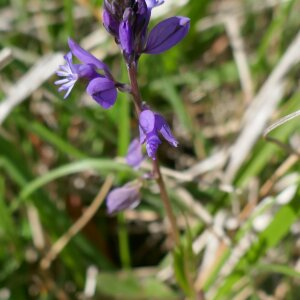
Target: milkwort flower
{"points": [[101, 86], [128, 20], [150, 125], [125, 197]]}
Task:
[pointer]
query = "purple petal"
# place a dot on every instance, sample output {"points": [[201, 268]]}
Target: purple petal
{"points": [[153, 3], [142, 8], [85, 56], [167, 34], [110, 24], [103, 91], [142, 135], [134, 155], [152, 143], [61, 81], [147, 121], [125, 36], [87, 71], [162, 126], [143, 15], [68, 91], [123, 198], [69, 59], [67, 87]]}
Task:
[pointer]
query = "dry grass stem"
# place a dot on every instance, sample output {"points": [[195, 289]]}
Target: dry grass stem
{"points": [[237, 44], [90, 282], [236, 10], [281, 170], [6, 55], [36, 227], [261, 109], [31, 81], [78, 225], [281, 122]]}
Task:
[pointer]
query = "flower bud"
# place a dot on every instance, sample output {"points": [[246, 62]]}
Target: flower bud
{"points": [[110, 23]]}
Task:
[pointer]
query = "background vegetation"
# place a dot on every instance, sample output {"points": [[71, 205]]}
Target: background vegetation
{"points": [[235, 194]]}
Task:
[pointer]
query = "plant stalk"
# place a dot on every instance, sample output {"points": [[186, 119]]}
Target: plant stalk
{"points": [[135, 91], [132, 72]]}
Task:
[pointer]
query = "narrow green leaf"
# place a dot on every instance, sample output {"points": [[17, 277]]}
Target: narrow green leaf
{"points": [[7, 226], [100, 165], [130, 287], [280, 225], [280, 269], [54, 139], [69, 20]]}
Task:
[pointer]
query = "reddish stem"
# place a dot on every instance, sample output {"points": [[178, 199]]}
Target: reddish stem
{"points": [[132, 72]]}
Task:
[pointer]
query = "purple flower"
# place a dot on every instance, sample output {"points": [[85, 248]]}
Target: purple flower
{"points": [[167, 34], [126, 197], [101, 87], [134, 155], [150, 125]]}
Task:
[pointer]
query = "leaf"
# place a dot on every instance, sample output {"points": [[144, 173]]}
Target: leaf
{"points": [[7, 226], [101, 165], [280, 269], [267, 239], [180, 267], [129, 287]]}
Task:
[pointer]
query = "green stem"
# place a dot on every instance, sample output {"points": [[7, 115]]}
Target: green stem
{"points": [[123, 242], [123, 118], [68, 12]]}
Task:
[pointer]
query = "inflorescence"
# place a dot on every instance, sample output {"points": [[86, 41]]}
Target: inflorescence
{"points": [[127, 21]]}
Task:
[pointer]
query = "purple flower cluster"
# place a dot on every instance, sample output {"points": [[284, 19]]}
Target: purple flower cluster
{"points": [[151, 124], [100, 86], [127, 21]]}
